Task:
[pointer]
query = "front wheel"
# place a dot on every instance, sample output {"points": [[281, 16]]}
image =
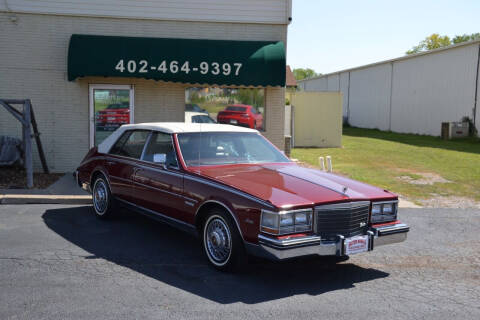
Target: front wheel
{"points": [[221, 242], [102, 198]]}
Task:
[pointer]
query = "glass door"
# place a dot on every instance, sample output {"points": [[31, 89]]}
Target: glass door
{"points": [[110, 107]]}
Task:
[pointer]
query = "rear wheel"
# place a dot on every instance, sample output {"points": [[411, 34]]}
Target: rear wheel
{"points": [[221, 242], [102, 198]]}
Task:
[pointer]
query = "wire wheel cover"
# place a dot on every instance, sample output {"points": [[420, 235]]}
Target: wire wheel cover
{"points": [[100, 197], [218, 240]]}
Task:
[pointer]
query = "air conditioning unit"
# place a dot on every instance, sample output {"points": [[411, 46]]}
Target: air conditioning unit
{"points": [[451, 130]]}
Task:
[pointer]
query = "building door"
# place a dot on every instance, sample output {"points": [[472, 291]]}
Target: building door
{"points": [[110, 107]]}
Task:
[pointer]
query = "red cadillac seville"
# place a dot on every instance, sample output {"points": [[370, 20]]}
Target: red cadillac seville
{"points": [[237, 192]]}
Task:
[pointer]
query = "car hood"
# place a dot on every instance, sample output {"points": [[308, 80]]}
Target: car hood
{"points": [[290, 185]]}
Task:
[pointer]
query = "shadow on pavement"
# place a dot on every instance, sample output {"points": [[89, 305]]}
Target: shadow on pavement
{"points": [[175, 258]]}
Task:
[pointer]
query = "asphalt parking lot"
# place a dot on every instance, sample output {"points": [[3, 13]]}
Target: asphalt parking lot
{"points": [[60, 262]]}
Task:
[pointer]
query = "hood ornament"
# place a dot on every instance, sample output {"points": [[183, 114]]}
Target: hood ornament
{"points": [[345, 189]]}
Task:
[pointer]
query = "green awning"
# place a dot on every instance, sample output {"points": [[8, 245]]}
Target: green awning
{"points": [[193, 61]]}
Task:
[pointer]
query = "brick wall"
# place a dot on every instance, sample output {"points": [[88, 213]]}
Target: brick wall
{"points": [[33, 59]]}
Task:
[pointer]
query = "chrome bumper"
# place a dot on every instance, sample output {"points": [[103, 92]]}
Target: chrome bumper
{"points": [[277, 249]]}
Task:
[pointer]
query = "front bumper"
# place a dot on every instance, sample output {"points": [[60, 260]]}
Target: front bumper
{"points": [[280, 249]]}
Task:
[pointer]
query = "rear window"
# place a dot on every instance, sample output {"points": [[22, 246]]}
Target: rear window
{"points": [[130, 144], [234, 108]]}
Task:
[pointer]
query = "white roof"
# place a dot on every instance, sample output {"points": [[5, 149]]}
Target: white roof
{"points": [[170, 127]]}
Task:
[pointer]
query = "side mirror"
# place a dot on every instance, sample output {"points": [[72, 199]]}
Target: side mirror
{"points": [[160, 158]]}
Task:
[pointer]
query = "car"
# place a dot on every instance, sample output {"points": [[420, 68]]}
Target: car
{"points": [[113, 116], [241, 115], [194, 108], [198, 117], [237, 192]]}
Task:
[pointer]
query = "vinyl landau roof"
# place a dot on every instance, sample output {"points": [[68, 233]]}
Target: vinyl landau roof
{"points": [[169, 127]]}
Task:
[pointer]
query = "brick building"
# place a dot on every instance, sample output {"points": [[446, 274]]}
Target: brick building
{"points": [[67, 57]]}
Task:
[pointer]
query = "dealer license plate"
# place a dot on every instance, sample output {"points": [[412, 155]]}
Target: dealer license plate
{"points": [[356, 245], [233, 121]]}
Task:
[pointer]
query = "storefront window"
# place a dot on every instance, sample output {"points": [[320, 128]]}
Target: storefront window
{"points": [[239, 107], [111, 107]]}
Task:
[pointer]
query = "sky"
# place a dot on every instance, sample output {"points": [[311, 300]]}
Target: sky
{"points": [[333, 35]]}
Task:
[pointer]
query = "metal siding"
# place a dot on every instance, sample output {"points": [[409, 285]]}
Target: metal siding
{"points": [[344, 90], [477, 117], [432, 89], [370, 97], [247, 11], [333, 82], [318, 84]]}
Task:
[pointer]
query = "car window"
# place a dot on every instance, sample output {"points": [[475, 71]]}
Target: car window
{"points": [[132, 145], [118, 106], [234, 108], [120, 142], [202, 119], [161, 143]]}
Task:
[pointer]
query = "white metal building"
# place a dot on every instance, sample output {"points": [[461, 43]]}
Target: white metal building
{"points": [[65, 54], [411, 94]]}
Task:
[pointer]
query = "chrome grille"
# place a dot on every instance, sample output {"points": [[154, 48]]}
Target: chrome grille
{"points": [[346, 219]]}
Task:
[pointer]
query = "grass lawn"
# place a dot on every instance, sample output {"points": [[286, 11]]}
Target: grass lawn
{"points": [[212, 106], [416, 167]]}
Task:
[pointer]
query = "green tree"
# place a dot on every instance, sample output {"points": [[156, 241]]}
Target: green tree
{"points": [[431, 42], [466, 37], [253, 97], [301, 73], [435, 41]]}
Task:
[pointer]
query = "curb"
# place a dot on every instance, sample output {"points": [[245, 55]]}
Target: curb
{"points": [[44, 199]]}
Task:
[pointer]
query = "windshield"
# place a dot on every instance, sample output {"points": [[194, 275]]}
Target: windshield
{"points": [[202, 119], [217, 148]]}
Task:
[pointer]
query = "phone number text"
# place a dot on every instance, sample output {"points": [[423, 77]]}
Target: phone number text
{"points": [[215, 68]]}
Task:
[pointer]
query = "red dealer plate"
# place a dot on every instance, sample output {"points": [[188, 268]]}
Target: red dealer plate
{"points": [[356, 245]]}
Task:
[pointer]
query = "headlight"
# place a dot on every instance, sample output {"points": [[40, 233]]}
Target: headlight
{"points": [[384, 211], [285, 222]]}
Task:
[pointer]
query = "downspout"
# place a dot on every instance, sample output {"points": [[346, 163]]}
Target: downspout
{"points": [[348, 101], [475, 99], [391, 94]]}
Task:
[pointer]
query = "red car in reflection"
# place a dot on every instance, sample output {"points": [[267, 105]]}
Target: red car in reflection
{"points": [[113, 116], [241, 115], [237, 192]]}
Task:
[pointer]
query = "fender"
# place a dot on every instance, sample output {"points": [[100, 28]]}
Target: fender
{"points": [[228, 210]]}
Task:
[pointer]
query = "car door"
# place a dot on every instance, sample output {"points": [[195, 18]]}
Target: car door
{"points": [[159, 187], [121, 163]]}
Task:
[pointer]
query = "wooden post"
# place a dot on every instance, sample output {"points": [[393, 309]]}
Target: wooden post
{"points": [[27, 143], [37, 139], [288, 145]]}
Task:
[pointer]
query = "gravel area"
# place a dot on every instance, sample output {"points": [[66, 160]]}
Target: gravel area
{"points": [[16, 178]]}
